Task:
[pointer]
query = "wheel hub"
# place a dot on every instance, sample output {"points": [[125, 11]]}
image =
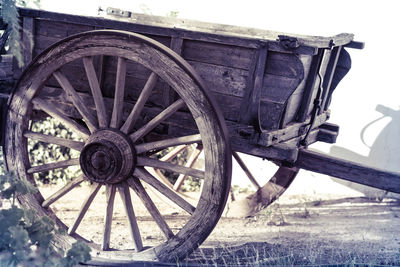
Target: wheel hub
{"points": [[108, 157]]}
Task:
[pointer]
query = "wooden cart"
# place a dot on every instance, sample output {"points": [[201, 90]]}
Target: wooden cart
{"points": [[132, 87]]}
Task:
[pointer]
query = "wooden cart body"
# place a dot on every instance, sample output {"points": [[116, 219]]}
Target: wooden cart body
{"points": [[265, 83]]}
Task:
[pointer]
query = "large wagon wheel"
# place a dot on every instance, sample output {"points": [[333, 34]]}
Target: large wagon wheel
{"points": [[114, 149]]}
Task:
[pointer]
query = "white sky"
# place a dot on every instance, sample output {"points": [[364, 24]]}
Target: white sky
{"points": [[373, 79]]}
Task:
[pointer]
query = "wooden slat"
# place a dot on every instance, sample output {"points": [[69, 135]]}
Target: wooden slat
{"points": [[54, 140], [96, 92], [28, 29], [187, 140], [73, 95], [158, 164], [138, 107], [310, 86], [165, 114], [123, 190], [329, 76], [64, 190], [218, 54], [110, 196], [137, 186], [189, 164], [348, 170], [246, 170], [84, 208], [55, 165], [163, 189], [249, 108], [170, 155], [116, 117], [55, 113]]}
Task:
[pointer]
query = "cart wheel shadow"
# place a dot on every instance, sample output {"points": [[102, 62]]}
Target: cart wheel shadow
{"points": [[384, 152]]}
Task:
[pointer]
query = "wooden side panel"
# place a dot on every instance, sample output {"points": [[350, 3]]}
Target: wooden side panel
{"points": [[225, 69], [293, 103], [283, 74]]}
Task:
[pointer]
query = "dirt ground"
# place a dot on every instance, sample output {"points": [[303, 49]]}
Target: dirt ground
{"points": [[297, 229]]}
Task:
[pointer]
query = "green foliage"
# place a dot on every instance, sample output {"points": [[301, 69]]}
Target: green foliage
{"points": [[9, 14], [10, 17], [26, 239]]}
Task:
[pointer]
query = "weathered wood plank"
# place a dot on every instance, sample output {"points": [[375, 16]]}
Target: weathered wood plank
{"points": [[347, 170], [329, 76], [311, 82], [28, 31], [221, 79], [238, 36], [250, 106], [218, 54]]}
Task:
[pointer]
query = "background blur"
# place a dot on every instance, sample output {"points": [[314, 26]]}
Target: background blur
{"points": [[365, 104]]}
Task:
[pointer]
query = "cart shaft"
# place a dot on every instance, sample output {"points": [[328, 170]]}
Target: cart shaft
{"points": [[347, 170]]}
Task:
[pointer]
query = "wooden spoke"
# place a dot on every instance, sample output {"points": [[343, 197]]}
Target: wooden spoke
{"points": [[55, 113], [96, 92], [163, 189], [110, 196], [123, 190], [54, 165], [137, 109], [189, 139], [246, 170], [54, 140], [155, 163], [80, 106], [116, 117], [166, 113], [68, 187], [85, 206], [192, 159], [170, 155], [137, 186]]}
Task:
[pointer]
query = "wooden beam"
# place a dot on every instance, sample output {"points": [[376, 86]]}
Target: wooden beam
{"points": [[250, 106], [28, 28], [310, 86], [347, 170]]}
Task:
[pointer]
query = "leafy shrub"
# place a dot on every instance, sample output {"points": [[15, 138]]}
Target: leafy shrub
{"points": [[25, 239]]}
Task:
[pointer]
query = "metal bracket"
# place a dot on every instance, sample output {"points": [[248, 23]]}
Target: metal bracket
{"points": [[118, 12], [288, 42]]}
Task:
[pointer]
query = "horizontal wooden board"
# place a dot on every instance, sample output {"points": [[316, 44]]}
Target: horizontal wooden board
{"points": [[270, 114], [284, 64], [222, 79], [278, 88], [218, 54]]}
